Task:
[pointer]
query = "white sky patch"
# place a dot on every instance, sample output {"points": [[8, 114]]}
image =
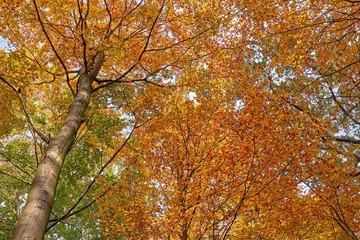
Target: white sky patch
{"points": [[3, 43], [115, 169], [191, 96], [257, 53], [303, 189], [179, 10], [239, 104], [169, 80]]}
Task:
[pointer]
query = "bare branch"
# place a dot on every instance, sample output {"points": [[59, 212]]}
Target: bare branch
{"points": [[95, 70], [113, 81], [16, 165], [52, 46], [15, 177], [347, 140], [151, 30], [341, 107], [70, 211], [27, 115]]}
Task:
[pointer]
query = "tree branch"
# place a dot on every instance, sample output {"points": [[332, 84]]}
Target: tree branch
{"points": [[53, 47], [15, 177], [70, 212], [38, 132], [347, 140]]}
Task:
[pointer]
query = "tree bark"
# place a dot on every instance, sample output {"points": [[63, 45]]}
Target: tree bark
{"points": [[36, 213]]}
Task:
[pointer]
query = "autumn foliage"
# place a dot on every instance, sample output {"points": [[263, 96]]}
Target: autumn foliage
{"points": [[180, 119]]}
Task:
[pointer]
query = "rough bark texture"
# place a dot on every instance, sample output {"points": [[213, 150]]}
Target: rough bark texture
{"points": [[35, 216]]}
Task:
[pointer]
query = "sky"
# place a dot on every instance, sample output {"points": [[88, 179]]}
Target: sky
{"points": [[2, 42]]}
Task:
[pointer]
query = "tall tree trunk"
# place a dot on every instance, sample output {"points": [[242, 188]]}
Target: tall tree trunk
{"points": [[36, 213]]}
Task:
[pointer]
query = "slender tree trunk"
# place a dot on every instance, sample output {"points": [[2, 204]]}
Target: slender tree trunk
{"points": [[36, 213]]}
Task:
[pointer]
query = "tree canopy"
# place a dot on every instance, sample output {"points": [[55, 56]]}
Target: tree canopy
{"points": [[179, 119]]}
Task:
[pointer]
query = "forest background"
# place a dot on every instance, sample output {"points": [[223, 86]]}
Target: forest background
{"points": [[179, 119]]}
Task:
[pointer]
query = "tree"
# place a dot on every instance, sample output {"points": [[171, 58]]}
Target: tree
{"points": [[227, 161], [295, 113], [95, 82], [61, 47]]}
